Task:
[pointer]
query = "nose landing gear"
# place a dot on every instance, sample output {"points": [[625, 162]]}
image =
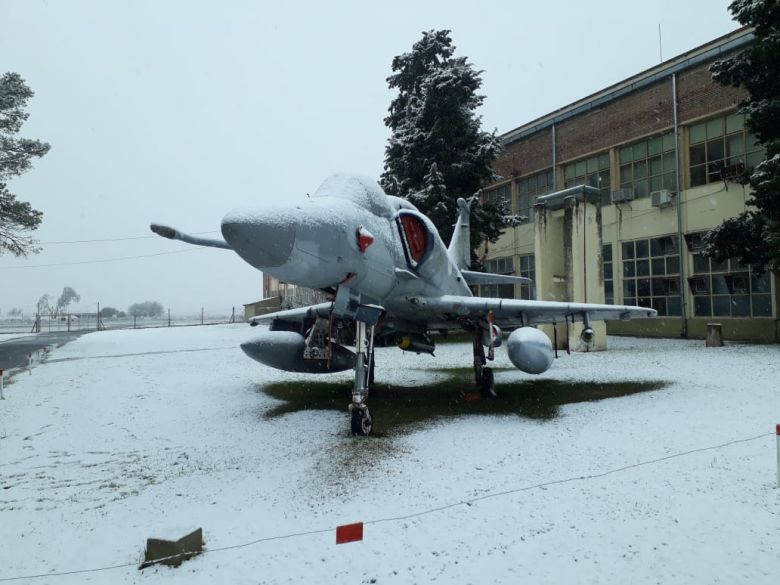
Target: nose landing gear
{"points": [[361, 420]]}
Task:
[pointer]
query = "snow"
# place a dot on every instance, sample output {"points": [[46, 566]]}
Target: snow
{"points": [[121, 435]]}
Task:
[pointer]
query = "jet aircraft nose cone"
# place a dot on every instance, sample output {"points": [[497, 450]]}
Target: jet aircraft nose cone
{"points": [[263, 242]]}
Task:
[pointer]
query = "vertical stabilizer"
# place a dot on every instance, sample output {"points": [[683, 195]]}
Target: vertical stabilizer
{"points": [[460, 245]]}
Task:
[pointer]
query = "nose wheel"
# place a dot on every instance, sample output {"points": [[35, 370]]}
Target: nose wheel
{"points": [[362, 423]]}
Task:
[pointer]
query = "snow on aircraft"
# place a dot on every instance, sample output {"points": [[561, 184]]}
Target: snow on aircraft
{"points": [[392, 279]]}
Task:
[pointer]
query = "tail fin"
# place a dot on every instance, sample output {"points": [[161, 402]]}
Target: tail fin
{"points": [[460, 245]]}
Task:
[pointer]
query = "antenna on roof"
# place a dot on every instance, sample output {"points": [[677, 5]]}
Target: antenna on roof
{"points": [[660, 46]]}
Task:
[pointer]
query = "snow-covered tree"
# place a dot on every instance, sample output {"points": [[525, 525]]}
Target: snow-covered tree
{"points": [[754, 236], [437, 151], [67, 297], [17, 218]]}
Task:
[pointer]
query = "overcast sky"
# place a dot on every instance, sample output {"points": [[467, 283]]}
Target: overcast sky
{"points": [[178, 111]]}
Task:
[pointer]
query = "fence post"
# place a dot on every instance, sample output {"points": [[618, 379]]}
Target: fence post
{"points": [[134, 318], [201, 315], [169, 317]]}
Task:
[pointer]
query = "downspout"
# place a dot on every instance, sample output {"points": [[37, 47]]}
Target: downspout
{"points": [[554, 161], [680, 240]]}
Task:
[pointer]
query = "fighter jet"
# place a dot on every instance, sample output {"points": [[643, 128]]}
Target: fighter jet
{"points": [[391, 280]]}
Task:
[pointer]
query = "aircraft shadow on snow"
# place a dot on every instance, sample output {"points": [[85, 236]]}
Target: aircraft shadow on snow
{"points": [[409, 408]]}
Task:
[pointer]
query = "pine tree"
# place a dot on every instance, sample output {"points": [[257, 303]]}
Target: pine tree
{"points": [[16, 217], [437, 151], [754, 236]]}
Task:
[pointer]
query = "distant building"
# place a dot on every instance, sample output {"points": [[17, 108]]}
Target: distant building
{"points": [[291, 295], [664, 177]]}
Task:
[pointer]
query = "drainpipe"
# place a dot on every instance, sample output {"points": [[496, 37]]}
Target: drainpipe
{"points": [[680, 240], [554, 161]]}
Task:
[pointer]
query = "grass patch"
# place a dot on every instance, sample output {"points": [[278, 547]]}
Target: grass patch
{"points": [[403, 409]]}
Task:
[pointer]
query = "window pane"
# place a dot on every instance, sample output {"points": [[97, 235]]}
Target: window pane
{"points": [[657, 247], [659, 267], [629, 288], [760, 283], [654, 146], [697, 154], [721, 306], [629, 269], [641, 189], [659, 287], [719, 285], [655, 166], [735, 145], [643, 287], [715, 128], [668, 141], [660, 305], [670, 181], [580, 169], [762, 306], [642, 248], [701, 306], [656, 183], [698, 176], [698, 133], [735, 123], [640, 150], [626, 154], [603, 161], [668, 162], [643, 268], [716, 266], [701, 264], [740, 306], [606, 252], [593, 164], [640, 170], [628, 250], [673, 306], [714, 150], [608, 271], [626, 174]]}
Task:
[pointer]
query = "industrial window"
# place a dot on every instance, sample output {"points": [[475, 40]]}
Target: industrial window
{"points": [[502, 265], [593, 172], [528, 270], [721, 149], [651, 274], [500, 195], [648, 165], [530, 188], [609, 278], [727, 289]]}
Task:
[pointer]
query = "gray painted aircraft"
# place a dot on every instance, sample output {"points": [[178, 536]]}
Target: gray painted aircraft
{"points": [[392, 279]]}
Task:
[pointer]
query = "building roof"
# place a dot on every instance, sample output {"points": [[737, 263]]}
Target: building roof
{"points": [[710, 51]]}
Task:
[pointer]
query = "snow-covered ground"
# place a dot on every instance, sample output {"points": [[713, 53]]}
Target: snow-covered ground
{"points": [[124, 435]]}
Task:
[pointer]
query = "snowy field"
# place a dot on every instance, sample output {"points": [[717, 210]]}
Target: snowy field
{"points": [[124, 435]]}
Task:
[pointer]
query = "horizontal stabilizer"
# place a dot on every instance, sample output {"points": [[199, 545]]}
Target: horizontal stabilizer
{"points": [[172, 234], [489, 278]]}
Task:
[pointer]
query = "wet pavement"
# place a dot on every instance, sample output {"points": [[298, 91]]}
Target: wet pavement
{"points": [[14, 352]]}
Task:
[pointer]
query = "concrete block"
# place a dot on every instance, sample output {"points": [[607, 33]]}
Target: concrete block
{"points": [[714, 335], [182, 549]]}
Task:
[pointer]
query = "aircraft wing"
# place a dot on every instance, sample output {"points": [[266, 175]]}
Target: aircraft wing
{"points": [[515, 312]]}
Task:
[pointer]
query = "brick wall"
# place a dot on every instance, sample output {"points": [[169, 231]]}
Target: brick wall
{"points": [[638, 114]]}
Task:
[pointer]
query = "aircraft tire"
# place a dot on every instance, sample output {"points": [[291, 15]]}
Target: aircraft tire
{"points": [[361, 422]]}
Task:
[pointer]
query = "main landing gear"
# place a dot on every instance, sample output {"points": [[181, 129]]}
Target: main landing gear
{"points": [[361, 421], [483, 376]]}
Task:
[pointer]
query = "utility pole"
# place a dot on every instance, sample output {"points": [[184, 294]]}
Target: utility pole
{"points": [[201, 315], [169, 317]]}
